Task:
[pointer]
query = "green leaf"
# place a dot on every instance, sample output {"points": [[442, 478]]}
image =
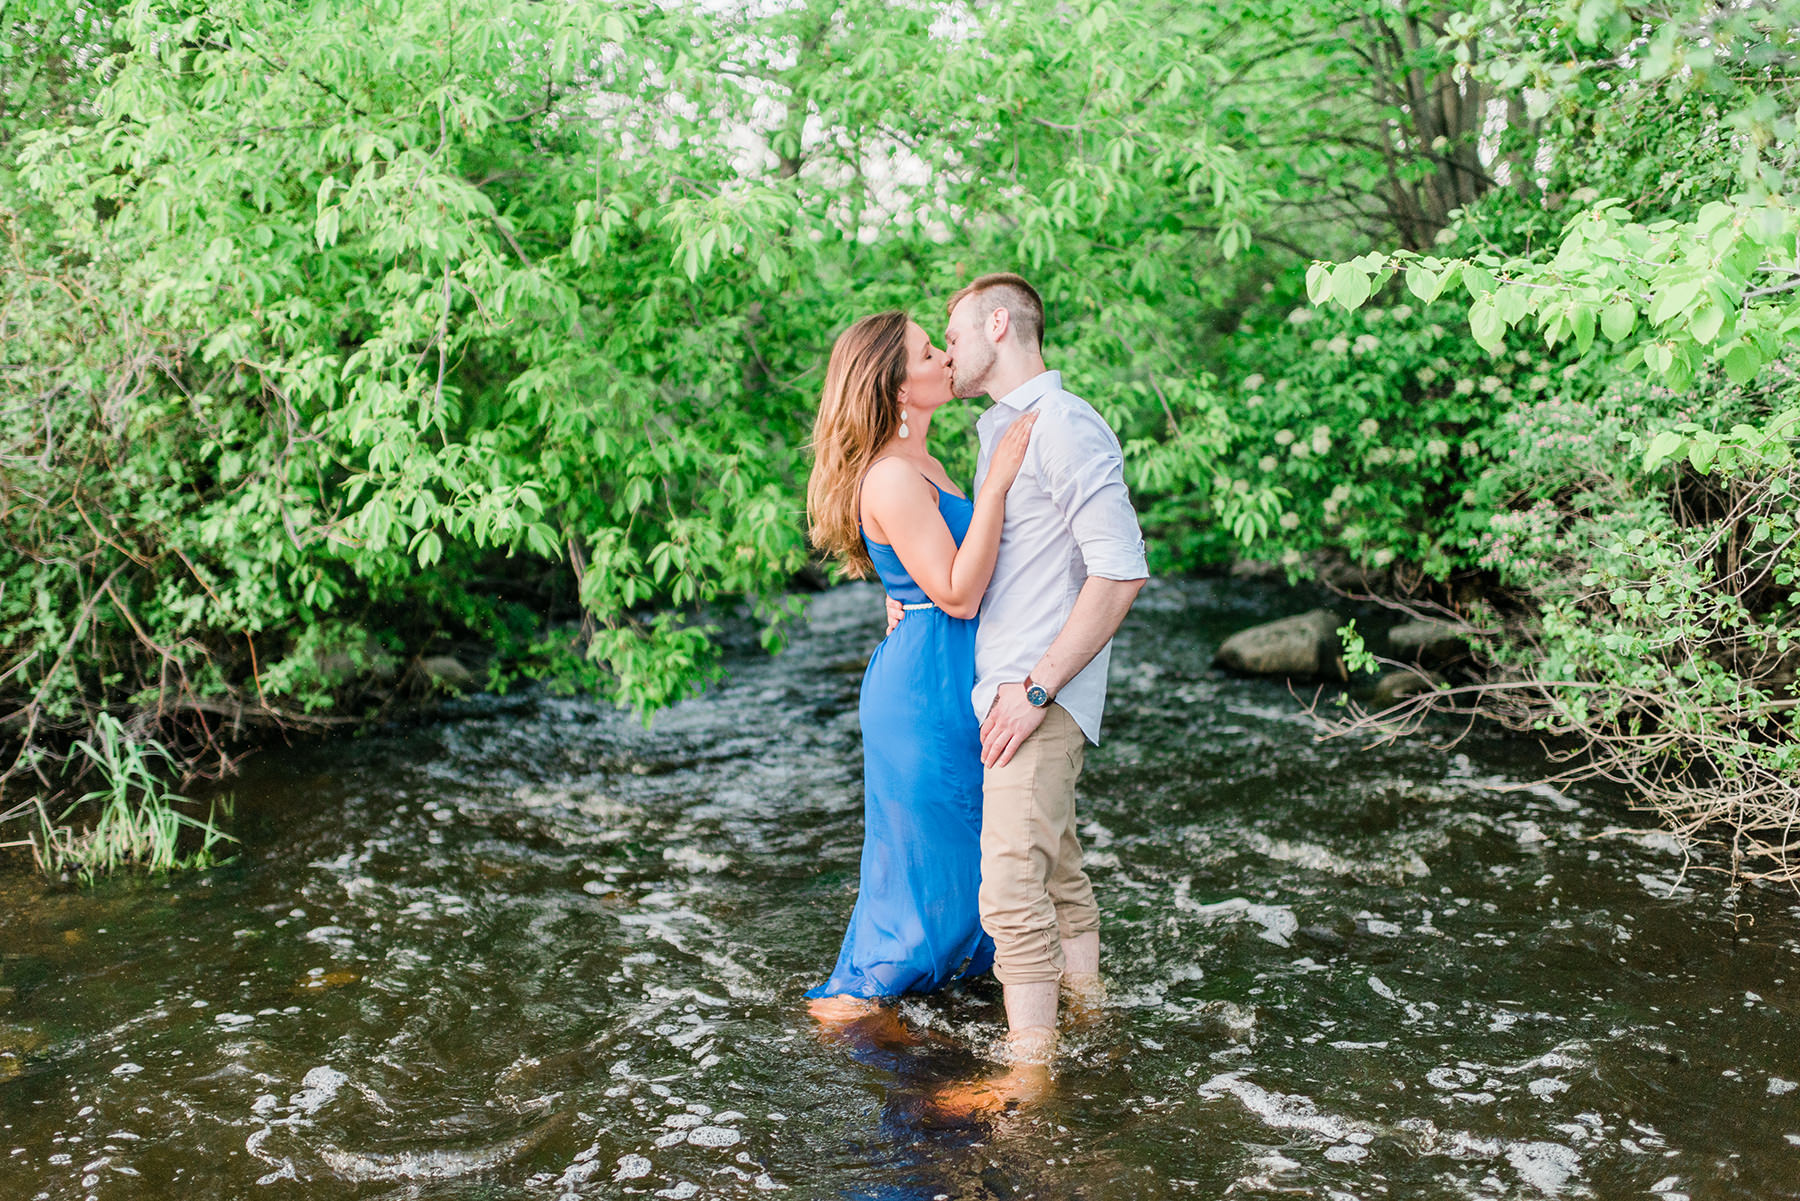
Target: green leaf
{"points": [[1485, 324], [1665, 445], [1742, 362], [1349, 286], [1512, 303], [1318, 283], [1581, 316], [1617, 319], [1707, 323], [1478, 280], [1423, 283], [1673, 300]]}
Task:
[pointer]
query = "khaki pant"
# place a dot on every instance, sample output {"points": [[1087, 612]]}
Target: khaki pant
{"points": [[1033, 891]]}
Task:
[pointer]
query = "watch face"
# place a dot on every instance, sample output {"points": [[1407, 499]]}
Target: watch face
{"points": [[1036, 696]]}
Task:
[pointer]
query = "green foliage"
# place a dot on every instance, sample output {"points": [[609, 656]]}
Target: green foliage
{"points": [[330, 349], [1640, 504]]}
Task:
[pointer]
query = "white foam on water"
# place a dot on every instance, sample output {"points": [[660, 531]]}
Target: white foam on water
{"points": [[1547, 1086], [713, 1136], [678, 1192], [632, 1167], [318, 1088], [1314, 857], [1282, 1111], [429, 1164], [1375, 925], [1663, 842], [284, 1172], [695, 860], [1559, 799], [128, 1069], [1779, 1087], [1528, 833], [1263, 1180], [1346, 1153], [1545, 1166], [1277, 921], [584, 1169], [1665, 886]]}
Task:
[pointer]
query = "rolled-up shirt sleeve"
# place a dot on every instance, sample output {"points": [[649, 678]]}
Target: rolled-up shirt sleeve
{"points": [[1082, 468]]}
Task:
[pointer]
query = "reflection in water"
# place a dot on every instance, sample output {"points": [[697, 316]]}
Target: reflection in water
{"points": [[540, 951]]}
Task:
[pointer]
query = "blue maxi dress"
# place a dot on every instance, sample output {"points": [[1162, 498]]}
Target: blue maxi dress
{"points": [[915, 927]]}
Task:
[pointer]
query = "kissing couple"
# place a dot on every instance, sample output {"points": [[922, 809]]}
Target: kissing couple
{"points": [[977, 708]]}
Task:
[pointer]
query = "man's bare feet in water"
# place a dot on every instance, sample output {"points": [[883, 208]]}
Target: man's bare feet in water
{"points": [[864, 1021], [1026, 1081]]}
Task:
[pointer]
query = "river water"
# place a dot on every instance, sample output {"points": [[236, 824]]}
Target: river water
{"points": [[536, 950]]}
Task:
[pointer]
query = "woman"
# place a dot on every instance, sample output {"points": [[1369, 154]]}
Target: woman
{"points": [[879, 501]]}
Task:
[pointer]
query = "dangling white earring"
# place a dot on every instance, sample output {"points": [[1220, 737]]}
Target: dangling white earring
{"points": [[904, 432]]}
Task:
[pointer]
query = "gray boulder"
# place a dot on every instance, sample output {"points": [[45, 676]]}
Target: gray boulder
{"points": [[1395, 686], [1429, 642], [1306, 645], [448, 672]]}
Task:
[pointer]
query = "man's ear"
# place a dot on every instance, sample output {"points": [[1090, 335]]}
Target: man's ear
{"points": [[999, 324]]}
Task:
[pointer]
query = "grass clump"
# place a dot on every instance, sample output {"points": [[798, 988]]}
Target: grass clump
{"points": [[136, 820]]}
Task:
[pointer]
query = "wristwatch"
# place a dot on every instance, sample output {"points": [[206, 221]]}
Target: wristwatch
{"points": [[1036, 695]]}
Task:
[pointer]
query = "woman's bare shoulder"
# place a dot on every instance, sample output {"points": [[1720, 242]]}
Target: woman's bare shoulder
{"points": [[893, 478]]}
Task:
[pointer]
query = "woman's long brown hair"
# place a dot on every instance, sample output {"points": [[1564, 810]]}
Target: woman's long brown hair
{"points": [[858, 414]]}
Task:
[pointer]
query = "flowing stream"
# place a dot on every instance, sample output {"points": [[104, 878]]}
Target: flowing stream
{"points": [[536, 950]]}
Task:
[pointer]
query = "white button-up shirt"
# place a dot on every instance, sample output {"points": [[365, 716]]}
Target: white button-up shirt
{"points": [[1068, 517]]}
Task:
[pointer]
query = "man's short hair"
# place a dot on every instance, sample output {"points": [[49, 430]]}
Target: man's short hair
{"points": [[1004, 290]]}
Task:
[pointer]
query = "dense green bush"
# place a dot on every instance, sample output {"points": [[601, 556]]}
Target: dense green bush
{"points": [[1636, 514]]}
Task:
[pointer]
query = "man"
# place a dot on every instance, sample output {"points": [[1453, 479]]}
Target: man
{"points": [[1071, 563]]}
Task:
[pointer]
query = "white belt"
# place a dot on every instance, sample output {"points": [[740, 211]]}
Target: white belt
{"points": [[920, 605]]}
